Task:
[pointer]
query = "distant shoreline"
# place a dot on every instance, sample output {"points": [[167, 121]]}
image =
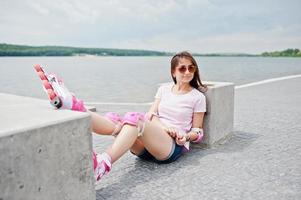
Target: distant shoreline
{"points": [[11, 50]]}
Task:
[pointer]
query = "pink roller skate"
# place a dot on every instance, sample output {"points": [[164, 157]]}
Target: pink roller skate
{"points": [[59, 95], [102, 165]]}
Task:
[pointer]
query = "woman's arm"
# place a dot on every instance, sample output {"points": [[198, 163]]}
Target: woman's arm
{"points": [[197, 122], [152, 114], [153, 111]]}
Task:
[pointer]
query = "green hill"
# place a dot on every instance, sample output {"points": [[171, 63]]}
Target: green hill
{"points": [[285, 53], [22, 50]]}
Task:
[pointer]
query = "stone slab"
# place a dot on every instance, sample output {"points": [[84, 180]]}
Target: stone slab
{"points": [[44, 153], [219, 117]]}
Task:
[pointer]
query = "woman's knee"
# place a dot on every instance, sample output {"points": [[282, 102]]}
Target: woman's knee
{"points": [[152, 128], [129, 128]]}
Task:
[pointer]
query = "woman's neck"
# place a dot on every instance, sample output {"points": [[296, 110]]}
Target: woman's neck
{"points": [[182, 87]]}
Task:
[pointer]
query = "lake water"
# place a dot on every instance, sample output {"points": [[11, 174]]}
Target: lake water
{"points": [[131, 79]]}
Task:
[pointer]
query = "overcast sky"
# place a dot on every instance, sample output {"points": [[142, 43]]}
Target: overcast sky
{"points": [[200, 26]]}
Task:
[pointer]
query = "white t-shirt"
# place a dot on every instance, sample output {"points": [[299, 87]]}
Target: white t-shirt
{"points": [[176, 110]]}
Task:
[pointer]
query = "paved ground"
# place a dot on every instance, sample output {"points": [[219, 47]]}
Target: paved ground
{"points": [[261, 161]]}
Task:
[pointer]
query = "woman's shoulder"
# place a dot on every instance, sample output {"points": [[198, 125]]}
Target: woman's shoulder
{"points": [[166, 86], [198, 94]]}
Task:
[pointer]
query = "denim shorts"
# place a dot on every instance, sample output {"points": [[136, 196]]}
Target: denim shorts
{"points": [[175, 153]]}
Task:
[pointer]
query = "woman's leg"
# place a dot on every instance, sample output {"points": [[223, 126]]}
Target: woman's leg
{"points": [[123, 142], [157, 141], [138, 147], [102, 125], [154, 139]]}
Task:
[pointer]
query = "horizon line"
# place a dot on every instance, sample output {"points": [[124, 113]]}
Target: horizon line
{"points": [[149, 50]]}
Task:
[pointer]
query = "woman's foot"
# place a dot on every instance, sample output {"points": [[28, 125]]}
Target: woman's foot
{"points": [[59, 95]]}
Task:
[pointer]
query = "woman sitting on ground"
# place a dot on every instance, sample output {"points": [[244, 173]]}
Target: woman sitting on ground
{"points": [[163, 134]]}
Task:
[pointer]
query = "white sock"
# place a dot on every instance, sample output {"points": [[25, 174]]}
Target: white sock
{"points": [[107, 156], [104, 156]]}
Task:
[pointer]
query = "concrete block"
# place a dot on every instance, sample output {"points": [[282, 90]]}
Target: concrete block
{"points": [[91, 108], [44, 153], [219, 118]]}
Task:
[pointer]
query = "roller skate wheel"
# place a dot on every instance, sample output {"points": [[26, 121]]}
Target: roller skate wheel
{"points": [[56, 102], [51, 94], [47, 85], [38, 68], [42, 75]]}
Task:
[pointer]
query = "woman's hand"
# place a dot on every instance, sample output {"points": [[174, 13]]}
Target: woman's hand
{"points": [[181, 140], [173, 132], [150, 115]]}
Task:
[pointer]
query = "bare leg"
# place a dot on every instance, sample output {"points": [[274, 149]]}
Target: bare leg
{"points": [[157, 141], [123, 142], [154, 138], [137, 147], [101, 125]]}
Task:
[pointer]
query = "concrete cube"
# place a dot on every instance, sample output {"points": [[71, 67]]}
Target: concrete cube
{"points": [[44, 153], [218, 121]]}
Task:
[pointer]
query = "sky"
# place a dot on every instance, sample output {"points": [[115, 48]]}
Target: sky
{"points": [[199, 26]]}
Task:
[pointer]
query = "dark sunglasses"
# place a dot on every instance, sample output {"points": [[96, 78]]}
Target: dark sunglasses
{"points": [[190, 68]]}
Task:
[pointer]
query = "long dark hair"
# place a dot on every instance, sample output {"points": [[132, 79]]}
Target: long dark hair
{"points": [[196, 81]]}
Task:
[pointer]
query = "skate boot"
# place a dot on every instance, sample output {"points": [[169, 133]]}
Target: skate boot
{"points": [[59, 95], [102, 165]]}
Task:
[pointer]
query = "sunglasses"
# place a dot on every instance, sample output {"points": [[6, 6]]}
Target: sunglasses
{"points": [[183, 69]]}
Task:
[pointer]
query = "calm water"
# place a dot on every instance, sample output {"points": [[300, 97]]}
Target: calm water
{"points": [[131, 79]]}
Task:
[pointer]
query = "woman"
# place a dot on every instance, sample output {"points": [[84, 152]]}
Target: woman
{"points": [[163, 134]]}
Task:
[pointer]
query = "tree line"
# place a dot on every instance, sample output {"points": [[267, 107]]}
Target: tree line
{"points": [[285, 53], [23, 50]]}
